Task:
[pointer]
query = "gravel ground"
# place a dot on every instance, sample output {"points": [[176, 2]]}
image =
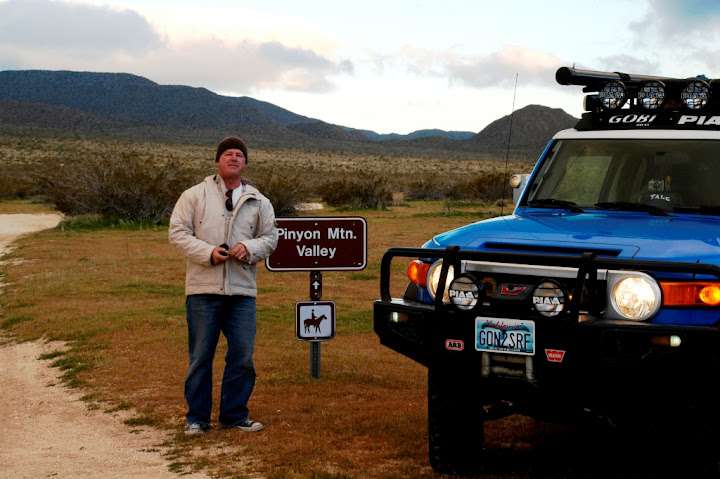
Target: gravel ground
{"points": [[48, 431]]}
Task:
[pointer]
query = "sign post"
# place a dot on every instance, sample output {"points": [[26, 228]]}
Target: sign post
{"points": [[317, 244]]}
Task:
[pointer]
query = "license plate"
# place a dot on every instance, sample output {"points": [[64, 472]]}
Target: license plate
{"points": [[501, 335]]}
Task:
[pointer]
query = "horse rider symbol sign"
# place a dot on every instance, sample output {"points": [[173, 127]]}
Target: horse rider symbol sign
{"points": [[315, 320]]}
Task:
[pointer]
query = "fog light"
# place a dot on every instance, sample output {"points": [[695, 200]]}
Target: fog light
{"points": [[396, 317], [669, 341]]}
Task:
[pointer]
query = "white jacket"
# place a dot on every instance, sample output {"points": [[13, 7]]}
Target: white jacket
{"points": [[200, 222]]}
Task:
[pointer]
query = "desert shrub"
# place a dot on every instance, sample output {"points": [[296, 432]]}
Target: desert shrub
{"points": [[284, 190], [488, 187], [124, 187], [364, 190], [426, 187], [15, 182]]}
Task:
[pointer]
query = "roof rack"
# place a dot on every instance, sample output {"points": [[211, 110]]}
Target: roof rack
{"points": [[625, 101]]}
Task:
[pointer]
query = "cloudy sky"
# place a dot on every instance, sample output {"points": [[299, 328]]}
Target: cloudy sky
{"points": [[388, 66]]}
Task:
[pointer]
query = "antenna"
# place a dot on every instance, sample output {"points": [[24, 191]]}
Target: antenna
{"points": [[507, 153]]}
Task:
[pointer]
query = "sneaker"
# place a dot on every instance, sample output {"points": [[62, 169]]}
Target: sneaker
{"points": [[195, 429], [248, 426]]}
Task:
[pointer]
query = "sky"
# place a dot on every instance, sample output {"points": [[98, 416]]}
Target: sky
{"points": [[391, 66]]}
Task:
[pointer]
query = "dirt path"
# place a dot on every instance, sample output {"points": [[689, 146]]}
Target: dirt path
{"points": [[47, 430]]}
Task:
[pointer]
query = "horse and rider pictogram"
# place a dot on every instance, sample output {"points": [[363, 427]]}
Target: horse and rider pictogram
{"points": [[315, 320]]}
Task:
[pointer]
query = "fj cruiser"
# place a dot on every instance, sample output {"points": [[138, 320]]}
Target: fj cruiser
{"points": [[599, 295]]}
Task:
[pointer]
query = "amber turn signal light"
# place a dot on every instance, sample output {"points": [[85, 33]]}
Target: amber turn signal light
{"points": [[417, 272]]}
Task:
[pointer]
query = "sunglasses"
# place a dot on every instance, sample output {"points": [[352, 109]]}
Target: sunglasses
{"points": [[228, 200]]}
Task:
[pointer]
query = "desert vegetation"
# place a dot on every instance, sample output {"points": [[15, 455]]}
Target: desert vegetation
{"points": [[140, 181]]}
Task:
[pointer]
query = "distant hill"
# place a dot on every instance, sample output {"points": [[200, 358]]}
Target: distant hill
{"points": [[532, 127], [453, 135], [130, 106]]}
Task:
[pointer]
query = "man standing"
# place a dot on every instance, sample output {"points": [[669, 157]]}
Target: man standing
{"points": [[224, 227]]}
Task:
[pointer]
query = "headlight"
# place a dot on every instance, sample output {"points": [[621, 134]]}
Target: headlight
{"points": [[634, 296], [433, 278]]}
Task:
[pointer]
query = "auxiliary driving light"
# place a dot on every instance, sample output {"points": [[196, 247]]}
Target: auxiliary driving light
{"points": [[464, 292], [695, 95], [652, 95], [613, 95]]}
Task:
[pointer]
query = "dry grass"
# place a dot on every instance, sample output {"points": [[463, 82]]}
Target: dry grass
{"points": [[117, 297]]}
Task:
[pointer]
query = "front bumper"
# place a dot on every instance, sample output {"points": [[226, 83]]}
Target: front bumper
{"points": [[581, 359]]}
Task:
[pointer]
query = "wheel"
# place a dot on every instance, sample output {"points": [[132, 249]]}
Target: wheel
{"points": [[455, 423]]}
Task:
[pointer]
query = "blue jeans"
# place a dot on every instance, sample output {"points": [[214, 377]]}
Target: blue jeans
{"points": [[207, 316]]}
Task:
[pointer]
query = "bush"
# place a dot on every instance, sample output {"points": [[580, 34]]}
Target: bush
{"points": [[365, 190], [284, 190], [16, 183], [426, 187], [489, 188], [124, 187]]}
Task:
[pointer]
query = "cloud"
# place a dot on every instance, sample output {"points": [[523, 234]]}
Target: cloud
{"points": [[684, 22], [74, 30], [46, 34], [496, 69], [241, 68]]}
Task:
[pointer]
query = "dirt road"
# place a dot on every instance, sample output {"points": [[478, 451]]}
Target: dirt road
{"points": [[47, 430]]}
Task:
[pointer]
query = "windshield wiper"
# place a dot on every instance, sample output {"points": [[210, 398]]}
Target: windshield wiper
{"points": [[629, 206], [555, 203]]}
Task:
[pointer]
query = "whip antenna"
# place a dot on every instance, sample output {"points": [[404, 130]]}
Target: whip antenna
{"points": [[507, 152]]}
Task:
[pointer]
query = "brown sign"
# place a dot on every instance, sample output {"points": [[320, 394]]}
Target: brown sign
{"points": [[320, 244]]}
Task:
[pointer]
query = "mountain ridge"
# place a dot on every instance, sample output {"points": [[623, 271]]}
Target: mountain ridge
{"points": [[127, 104]]}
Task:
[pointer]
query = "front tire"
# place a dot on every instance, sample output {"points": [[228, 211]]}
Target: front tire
{"points": [[455, 423]]}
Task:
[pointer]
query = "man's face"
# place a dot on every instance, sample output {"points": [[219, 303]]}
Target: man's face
{"points": [[231, 164]]}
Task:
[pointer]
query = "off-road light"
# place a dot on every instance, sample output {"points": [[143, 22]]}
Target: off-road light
{"points": [[696, 94], [464, 292], [634, 296], [652, 95], [433, 278], [613, 95], [549, 298], [515, 181]]}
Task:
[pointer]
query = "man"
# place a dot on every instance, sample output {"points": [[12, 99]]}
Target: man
{"points": [[224, 227]]}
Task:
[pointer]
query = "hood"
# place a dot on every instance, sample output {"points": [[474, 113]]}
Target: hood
{"points": [[613, 234]]}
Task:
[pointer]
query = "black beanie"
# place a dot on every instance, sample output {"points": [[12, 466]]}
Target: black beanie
{"points": [[231, 143]]}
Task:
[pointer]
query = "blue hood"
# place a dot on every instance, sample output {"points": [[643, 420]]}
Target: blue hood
{"points": [[620, 234]]}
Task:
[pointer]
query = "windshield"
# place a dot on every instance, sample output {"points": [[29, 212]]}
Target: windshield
{"points": [[636, 175]]}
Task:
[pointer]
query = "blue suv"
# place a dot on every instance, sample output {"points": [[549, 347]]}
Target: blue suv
{"points": [[599, 296]]}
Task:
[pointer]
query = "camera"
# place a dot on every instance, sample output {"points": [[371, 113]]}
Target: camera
{"points": [[656, 186]]}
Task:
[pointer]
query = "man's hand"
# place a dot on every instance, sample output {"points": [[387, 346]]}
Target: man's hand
{"points": [[219, 255], [239, 252]]}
